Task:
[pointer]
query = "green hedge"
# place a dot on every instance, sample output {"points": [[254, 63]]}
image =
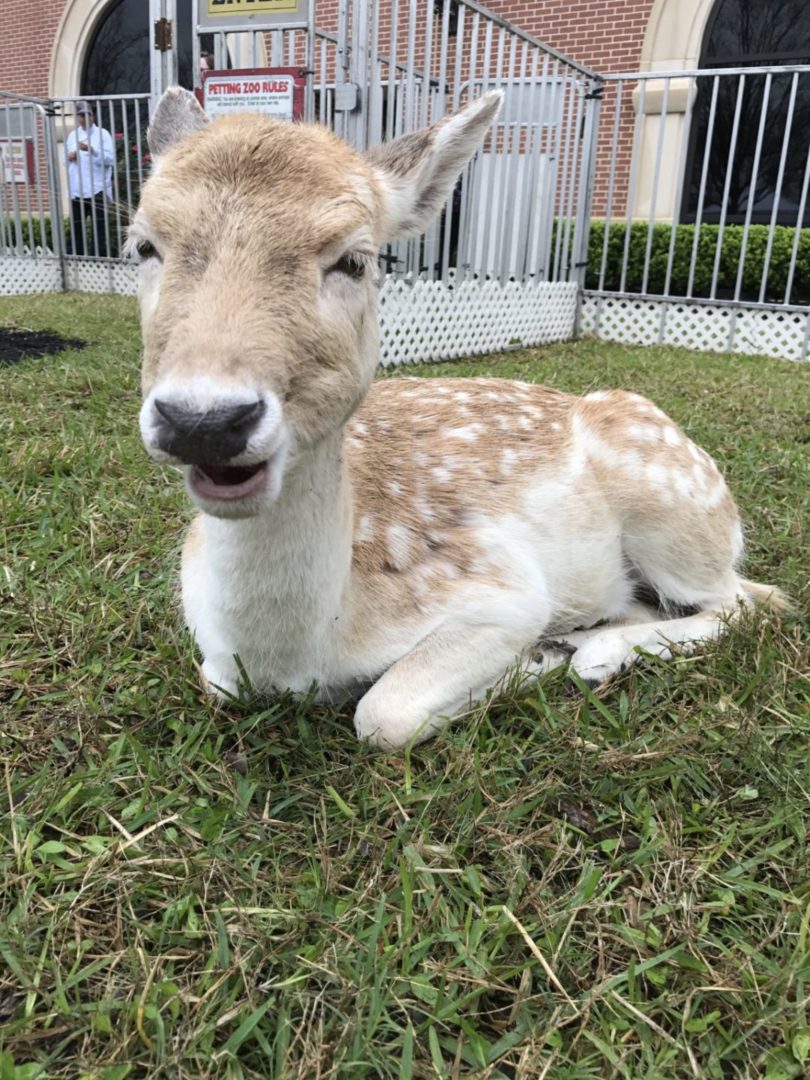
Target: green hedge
{"points": [[706, 248], [659, 256], [7, 231], [36, 231]]}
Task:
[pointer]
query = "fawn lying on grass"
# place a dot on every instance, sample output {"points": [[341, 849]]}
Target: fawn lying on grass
{"points": [[418, 536]]}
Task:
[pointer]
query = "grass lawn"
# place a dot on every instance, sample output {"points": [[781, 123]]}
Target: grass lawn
{"points": [[564, 887]]}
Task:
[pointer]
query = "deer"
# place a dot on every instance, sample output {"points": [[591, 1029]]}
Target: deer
{"points": [[404, 544]]}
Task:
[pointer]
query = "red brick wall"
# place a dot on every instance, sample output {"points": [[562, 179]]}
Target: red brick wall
{"points": [[606, 37], [603, 36], [26, 41]]}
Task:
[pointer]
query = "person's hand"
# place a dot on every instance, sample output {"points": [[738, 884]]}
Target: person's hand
{"points": [[71, 155], [83, 146]]}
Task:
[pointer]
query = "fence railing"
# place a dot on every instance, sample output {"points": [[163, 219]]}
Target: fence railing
{"points": [[701, 216], [677, 203], [380, 70]]}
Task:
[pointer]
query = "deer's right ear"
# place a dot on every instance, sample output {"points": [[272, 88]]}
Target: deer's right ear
{"points": [[177, 116]]}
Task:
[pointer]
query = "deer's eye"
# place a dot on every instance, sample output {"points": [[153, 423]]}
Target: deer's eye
{"points": [[352, 264], [146, 250]]}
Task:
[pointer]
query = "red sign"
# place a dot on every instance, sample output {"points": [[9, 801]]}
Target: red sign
{"points": [[277, 92]]}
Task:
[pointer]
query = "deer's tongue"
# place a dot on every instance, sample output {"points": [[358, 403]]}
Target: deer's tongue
{"points": [[229, 481]]}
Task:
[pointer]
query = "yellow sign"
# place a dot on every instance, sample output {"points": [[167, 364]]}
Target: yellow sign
{"points": [[252, 7]]}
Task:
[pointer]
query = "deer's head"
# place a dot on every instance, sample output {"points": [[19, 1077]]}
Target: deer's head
{"points": [[258, 242]]}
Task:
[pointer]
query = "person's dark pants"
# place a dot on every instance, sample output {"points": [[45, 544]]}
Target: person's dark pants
{"points": [[80, 210]]}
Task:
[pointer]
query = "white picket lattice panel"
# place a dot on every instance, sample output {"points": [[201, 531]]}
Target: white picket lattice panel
{"points": [[97, 276], [24, 274], [704, 327], [422, 321]]}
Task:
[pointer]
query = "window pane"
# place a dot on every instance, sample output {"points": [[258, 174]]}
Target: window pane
{"points": [[117, 61], [763, 30], [737, 169], [747, 33]]}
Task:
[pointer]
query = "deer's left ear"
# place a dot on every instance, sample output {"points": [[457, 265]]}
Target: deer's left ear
{"points": [[417, 172]]}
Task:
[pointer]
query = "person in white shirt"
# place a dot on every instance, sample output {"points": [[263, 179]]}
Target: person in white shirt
{"points": [[90, 154]]}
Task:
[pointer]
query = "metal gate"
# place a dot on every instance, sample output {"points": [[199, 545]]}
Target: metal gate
{"points": [[504, 264]]}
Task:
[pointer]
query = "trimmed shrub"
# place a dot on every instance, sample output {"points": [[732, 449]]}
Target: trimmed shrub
{"points": [[8, 232], [729, 260]]}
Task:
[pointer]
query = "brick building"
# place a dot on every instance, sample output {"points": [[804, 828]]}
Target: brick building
{"points": [[44, 45]]}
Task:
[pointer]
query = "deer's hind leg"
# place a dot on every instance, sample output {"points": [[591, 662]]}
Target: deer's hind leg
{"points": [[681, 549], [604, 652]]}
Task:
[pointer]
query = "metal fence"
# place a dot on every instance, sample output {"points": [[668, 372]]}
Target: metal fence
{"points": [[502, 266], [387, 69], [699, 234], [63, 227], [666, 207]]}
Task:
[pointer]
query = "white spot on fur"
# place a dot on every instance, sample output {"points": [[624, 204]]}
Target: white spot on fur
{"points": [[632, 462], [644, 432], [672, 436], [441, 474], [683, 483], [469, 433], [508, 459], [657, 474], [365, 529], [394, 487], [399, 546]]}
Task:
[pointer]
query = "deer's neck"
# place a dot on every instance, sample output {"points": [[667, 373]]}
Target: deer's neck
{"points": [[295, 560]]}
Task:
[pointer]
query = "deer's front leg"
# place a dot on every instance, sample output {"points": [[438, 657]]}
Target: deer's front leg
{"points": [[442, 676]]}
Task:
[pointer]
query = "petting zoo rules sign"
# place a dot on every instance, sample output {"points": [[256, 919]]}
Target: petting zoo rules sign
{"points": [[275, 92]]}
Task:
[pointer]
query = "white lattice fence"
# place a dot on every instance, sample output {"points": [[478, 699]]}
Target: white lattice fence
{"points": [[721, 328], [24, 274], [420, 320], [102, 276], [435, 320]]}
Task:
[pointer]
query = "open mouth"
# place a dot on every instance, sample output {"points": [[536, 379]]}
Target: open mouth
{"points": [[229, 481]]}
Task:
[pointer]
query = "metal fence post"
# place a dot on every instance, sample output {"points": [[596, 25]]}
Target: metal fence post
{"points": [[582, 227], [54, 181]]}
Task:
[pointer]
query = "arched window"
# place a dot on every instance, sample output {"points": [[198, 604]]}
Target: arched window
{"points": [[117, 59], [751, 33]]}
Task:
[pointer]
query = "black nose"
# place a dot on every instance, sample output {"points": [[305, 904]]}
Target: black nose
{"points": [[212, 437]]}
